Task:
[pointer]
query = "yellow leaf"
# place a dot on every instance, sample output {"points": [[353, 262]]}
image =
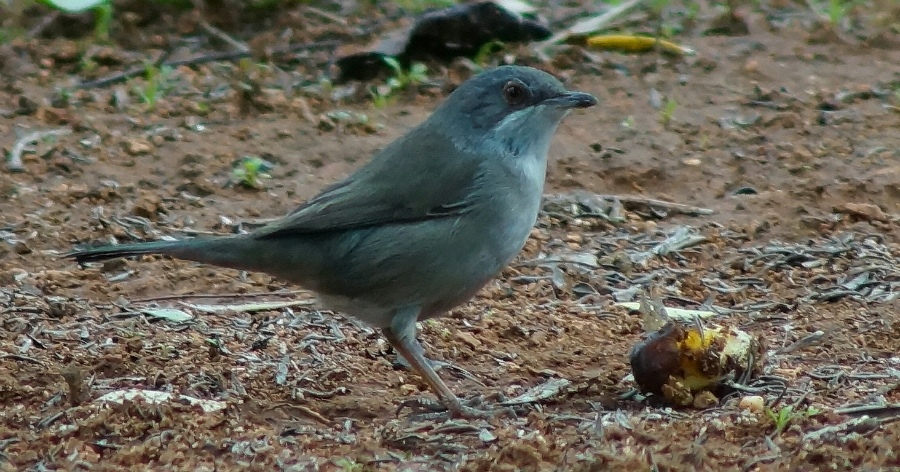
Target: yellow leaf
{"points": [[630, 43]]}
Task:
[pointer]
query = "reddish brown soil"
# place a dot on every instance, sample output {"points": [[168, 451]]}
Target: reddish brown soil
{"points": [[806, 122]]}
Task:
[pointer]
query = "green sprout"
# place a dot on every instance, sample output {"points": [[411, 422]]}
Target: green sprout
{"points": [[104, 13], [348, 465], [837, 10], [786, 415], [485, 51], [157, 83], [418, 6], [87, 64], [381, 96], [399, 80], [834, 10], [350, 118], [692, 10], [657, 6], [201, 108], [666, 112], [782, 418], [249, 171], [326, 85]]}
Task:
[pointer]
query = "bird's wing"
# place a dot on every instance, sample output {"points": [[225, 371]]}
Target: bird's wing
{"points": [[406, 182]]}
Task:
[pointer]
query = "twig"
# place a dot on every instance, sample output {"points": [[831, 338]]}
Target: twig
{"points": [[776, 453], [15, 156], [548, 389], [682, 238], [870, 410], [21, 358], [807, 341], [239, 45], [46, 21], [305, 110], [202, 59], [861, 425], [590, 25], [247, 307], [222, 295], [652, 202], [591, 205], [304, 410], [325, 15]]}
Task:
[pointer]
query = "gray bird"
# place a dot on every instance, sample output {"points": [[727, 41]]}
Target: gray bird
{"points": [[421, 227]]}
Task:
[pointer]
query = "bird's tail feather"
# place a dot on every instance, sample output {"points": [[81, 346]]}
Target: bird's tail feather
{"points": [[102, 253], [225, 251]]}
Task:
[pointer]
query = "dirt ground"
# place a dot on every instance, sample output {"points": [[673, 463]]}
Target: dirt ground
{"points": [[790, 133]]}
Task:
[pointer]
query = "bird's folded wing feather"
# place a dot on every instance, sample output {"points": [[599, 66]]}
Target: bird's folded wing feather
{"points": [[410, 185]]}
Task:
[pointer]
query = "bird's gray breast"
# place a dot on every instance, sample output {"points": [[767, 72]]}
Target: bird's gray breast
{"points": [[520, 187], [436, 264]]}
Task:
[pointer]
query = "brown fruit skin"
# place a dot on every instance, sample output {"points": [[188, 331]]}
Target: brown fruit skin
{"points": [[679, 360], [658, 357]]}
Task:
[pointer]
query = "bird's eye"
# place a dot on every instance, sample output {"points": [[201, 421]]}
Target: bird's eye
{"points": [[514, 93]]}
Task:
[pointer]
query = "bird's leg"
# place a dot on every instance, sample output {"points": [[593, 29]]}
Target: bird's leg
{"points": [[435, 364], [402, 336]]}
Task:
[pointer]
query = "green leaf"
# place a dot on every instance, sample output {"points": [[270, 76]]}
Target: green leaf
{"points": [[393, 63], [419, 69], [76, 6]]}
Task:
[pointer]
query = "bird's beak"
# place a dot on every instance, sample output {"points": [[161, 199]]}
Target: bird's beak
{"points": [[572, 100]]}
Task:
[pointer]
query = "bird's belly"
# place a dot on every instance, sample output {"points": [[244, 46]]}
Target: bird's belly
{"points": [[372, 312], [433, 265]]}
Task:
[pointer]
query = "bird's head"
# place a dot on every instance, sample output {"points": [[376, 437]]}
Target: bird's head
{"points": [[512, 108]]}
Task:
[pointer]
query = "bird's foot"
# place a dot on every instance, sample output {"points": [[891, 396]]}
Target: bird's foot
{"points": [[401, 362]]}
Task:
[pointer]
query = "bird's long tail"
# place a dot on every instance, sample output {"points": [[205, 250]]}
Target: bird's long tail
{"points": [[235, 252], [103, 253]]}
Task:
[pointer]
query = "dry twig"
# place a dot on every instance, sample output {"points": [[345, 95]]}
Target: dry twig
{"points": [[183, 296], [651, 202], [202, 59], [223, 36], [46, 21], [589, 25], [15, 156]]}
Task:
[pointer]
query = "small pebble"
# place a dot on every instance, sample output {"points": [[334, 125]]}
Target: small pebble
{"points": [[752, 403]]}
